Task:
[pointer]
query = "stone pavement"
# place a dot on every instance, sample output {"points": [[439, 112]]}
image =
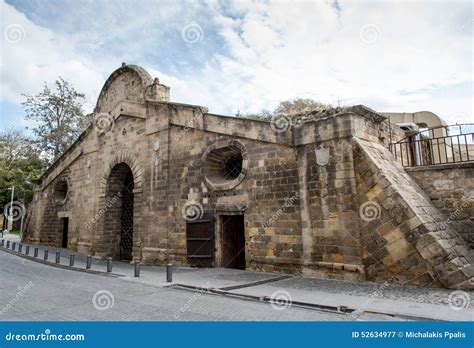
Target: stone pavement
{"points": [[357, 298]]}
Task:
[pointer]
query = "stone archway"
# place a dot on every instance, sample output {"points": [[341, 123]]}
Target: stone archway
{"points": [[119, 234], [118, 218]]}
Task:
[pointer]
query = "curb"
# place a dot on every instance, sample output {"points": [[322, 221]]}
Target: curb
{"points": [[260, 282], [58, 265], [267, 299], [342, 309], [312, 306]]}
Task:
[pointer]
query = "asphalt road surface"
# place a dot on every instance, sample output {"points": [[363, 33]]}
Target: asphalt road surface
{"points": [[34, 291]]}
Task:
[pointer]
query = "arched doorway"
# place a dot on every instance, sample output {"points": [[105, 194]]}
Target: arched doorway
{"points": [[119, 199]]}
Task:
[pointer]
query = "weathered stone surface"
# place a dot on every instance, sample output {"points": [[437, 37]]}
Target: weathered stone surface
{"points": [[407, 215], [451, 189], [303, 192]]}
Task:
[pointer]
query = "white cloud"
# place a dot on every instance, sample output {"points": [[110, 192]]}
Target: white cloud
{"points": [[39, 55], [271, 51], [280, 50]]}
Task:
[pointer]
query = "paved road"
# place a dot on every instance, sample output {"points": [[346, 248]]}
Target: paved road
{"points": [[392, 301], [34, 291]]}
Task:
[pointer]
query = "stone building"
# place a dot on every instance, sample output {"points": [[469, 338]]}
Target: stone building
{"points": [[166, 182]]}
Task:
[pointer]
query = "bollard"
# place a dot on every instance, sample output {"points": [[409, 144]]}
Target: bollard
{"points": [[35, 252], [13, 246], [20, 247], [88, 262], [169, 272], [27, 250], [137, 268], [109, 264], [58, 256], [45, 256], [71, 260], [8, 244]]}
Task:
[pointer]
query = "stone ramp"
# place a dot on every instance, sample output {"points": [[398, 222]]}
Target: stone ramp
{"points": [[404, 237]]}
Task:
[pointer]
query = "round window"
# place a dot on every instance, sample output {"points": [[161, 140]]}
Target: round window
{"points": [[224, 165], [232, 167]]}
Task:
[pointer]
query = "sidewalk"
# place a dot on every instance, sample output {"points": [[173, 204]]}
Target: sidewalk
{"points": [[354, 297]]}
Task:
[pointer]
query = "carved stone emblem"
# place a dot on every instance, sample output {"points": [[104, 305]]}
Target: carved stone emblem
{"points": [[322, 155]]}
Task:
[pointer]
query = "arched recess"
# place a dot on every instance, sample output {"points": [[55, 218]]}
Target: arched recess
{"points": [[128, 82], [120, 184]]}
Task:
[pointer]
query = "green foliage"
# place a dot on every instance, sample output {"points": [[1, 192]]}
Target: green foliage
{"points": [[15, 232], [263, 116], [300, 106], [58, 121], [20, 164], [296, 108], [58, 116]]}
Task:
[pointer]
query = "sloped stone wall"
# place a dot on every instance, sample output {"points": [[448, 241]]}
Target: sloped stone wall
{"points": [[405, 238]]}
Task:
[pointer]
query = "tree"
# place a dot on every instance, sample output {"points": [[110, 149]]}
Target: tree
{"points": [[20, 164], [296, 108], [58, 115], [300, 106]]}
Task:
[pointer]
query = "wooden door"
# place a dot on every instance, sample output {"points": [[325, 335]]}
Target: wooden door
{"points": [[200, 241]]}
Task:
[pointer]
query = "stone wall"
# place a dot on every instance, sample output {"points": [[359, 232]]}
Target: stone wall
{"points": [[332, 231], [303, 191], [405, 237], [451, 190], [273, 243]]}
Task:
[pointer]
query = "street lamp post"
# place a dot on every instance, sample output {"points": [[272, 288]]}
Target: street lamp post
{"points": [[10, 215]]}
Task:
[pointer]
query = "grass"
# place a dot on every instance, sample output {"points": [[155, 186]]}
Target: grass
{"points": [[15, 232]]}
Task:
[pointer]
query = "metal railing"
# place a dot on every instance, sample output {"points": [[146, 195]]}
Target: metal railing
{"points": [[438, 145]]}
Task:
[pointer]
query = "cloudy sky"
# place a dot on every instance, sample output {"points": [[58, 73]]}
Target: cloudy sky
{"points": [[247, 56]]}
